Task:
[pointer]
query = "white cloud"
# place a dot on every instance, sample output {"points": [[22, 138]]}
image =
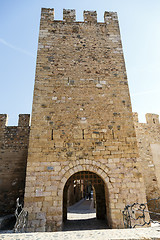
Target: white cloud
{"points": [[15, 48]]}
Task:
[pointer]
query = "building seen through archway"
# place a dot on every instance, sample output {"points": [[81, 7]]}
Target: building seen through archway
{"points": [[85, 202]]}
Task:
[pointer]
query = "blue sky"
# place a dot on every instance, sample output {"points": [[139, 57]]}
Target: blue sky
{"points": [[140, 32]]}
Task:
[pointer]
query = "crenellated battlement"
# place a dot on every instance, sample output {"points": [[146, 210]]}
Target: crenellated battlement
{"points": [[90, 16], [3, 120], [47, 13], [69, 15], [16, 137], [151, 118], [23, 120]]}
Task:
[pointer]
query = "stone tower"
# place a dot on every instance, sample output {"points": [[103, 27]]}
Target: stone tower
{"points": [[82, 124]]}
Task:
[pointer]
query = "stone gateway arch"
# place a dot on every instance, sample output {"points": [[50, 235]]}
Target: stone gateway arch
{"points": [[81, 120]]}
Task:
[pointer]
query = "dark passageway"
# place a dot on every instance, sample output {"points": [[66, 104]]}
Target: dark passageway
{"points": [[84, 204]]}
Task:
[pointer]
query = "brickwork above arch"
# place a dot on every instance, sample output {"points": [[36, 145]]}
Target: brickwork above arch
{"points": [[95, 167]]}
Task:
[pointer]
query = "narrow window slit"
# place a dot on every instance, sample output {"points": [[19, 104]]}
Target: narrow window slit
{"points": [[83, 133], [113, 134], [52, 135]]}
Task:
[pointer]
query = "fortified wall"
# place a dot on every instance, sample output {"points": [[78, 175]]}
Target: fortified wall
{"points": [[13, 158], [82, 124], [148, 139], [14, 151], [82, 127]]}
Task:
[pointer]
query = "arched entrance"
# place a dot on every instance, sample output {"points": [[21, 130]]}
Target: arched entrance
{"points": [[86, 185]]}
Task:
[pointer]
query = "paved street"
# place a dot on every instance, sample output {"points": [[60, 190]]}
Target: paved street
{"points": [[110, 234], [82, 216], [82, 223]]}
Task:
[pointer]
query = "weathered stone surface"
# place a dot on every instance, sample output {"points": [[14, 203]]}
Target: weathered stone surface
{"points": [[148, 138], [81, 118], [81, 121], [13, 157]]}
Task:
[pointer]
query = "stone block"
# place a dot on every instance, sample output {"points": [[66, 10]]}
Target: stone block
{"points": [[69, 15], [90, 16]]}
